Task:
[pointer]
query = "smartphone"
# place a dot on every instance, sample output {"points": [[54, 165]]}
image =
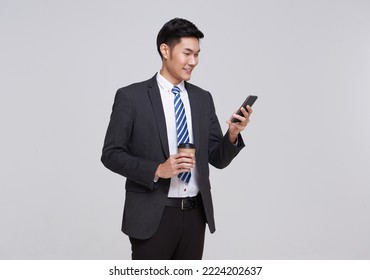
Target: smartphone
{"points": [[248, 101]]}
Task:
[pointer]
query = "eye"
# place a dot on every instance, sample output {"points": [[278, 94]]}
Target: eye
{"points": [[186, 54]]}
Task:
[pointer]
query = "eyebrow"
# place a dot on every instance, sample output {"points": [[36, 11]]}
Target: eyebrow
{"points": [[190, 50]]}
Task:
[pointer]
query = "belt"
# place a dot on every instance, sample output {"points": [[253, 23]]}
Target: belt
{"points": [[186, 203]]}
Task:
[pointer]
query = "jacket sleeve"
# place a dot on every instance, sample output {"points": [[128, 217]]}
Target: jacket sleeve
{"points": [[221, 151], [116, 155]]}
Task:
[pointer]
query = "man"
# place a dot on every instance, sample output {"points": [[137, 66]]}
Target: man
{"points": [[168, 198]]}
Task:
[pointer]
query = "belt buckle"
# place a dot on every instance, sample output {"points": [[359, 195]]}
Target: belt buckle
{"points": [[193, 204]]}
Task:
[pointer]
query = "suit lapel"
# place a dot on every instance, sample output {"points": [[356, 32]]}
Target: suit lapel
{"points": [[195, 106], [155, 98]]}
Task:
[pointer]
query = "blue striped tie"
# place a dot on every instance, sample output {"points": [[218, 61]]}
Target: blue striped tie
{"points": [[181, 127]]}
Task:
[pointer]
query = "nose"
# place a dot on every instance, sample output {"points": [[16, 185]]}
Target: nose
{"points": [[193, 60]]}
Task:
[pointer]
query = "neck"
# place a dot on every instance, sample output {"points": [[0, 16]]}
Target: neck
{"points": [[164, 72]]}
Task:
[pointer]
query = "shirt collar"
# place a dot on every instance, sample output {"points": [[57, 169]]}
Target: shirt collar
{"points": [[165, 84]]}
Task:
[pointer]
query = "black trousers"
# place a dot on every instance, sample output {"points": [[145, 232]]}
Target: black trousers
{"points": [[180, 236]]}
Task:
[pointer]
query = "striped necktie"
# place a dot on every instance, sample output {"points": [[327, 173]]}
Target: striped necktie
{"points": [[181, 127]]}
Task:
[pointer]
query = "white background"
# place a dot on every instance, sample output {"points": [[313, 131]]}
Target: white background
{"points": [[300, 188]]}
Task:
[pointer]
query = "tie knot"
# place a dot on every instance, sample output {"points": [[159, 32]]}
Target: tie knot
{"points": [[175, 90]]}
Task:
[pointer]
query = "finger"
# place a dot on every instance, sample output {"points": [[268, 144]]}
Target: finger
{"points": [[245, 112], [241, 118], [249, 108], [239, 125], [185, 167], [186, 164], [185, 155], [233, 124], [185, 160], [175, 157]]}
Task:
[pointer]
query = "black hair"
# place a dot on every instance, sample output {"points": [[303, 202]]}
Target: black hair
{"points": [[172, 32]]}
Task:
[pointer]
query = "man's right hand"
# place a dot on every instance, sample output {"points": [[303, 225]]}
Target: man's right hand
{"points": [[176, 164]]}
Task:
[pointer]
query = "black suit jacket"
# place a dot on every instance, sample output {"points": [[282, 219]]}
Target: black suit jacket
{"points": [[136, 143]]}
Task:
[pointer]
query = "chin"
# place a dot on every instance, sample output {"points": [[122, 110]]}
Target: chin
{"points": [[186, 77]]}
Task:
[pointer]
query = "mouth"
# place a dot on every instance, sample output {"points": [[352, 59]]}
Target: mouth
{"points": [[188, 70]]}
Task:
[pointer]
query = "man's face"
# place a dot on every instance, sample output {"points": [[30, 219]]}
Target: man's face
{"points": [[180, 60]]}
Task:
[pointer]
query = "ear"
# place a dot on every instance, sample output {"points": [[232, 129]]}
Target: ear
{"points": [[165, 50]]}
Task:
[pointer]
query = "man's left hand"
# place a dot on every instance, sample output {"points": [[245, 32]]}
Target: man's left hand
{"points": [[236, 127]]}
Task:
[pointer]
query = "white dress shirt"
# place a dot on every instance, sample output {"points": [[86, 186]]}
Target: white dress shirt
{"points": [[177, 187]]}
